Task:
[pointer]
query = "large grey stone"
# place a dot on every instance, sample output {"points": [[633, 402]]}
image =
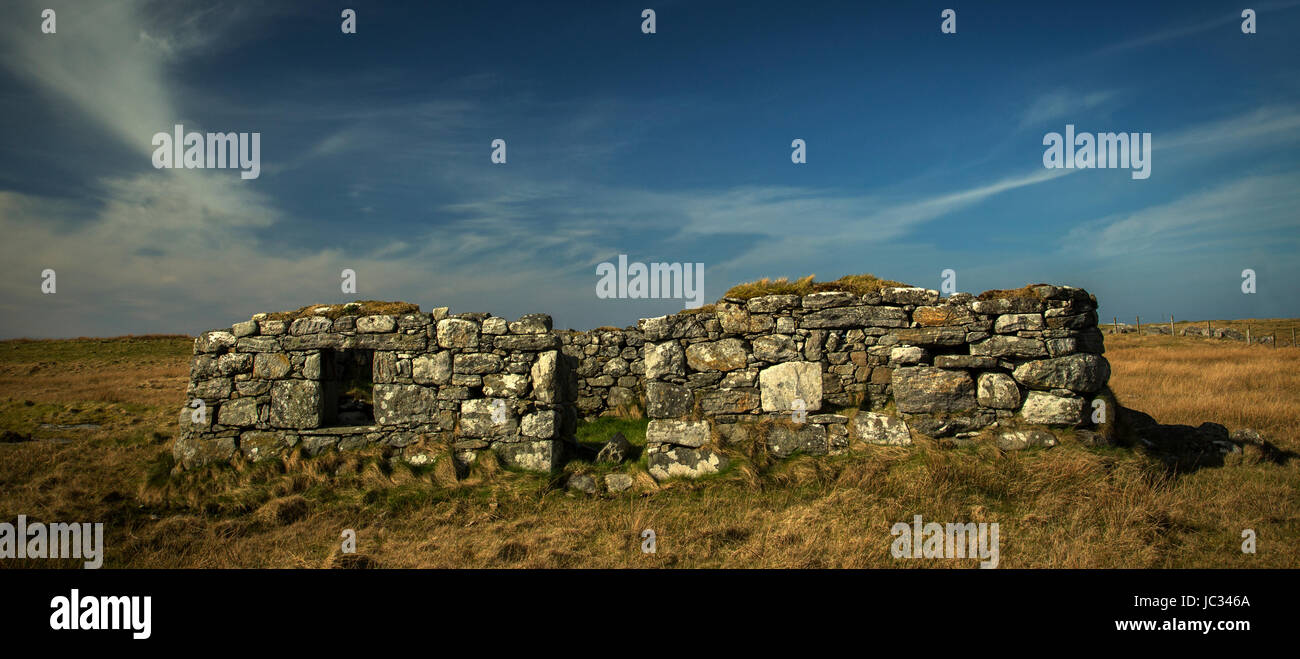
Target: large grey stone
{"points": [[1015, 440], [505, 385], [781, 384], [664, 400], [775, 348], [828, 299], [541, 455], [681, 433], [431, 369], [685, 462], [544, 372], [925, 389], [310, 325], [542, 424], [296, 404], [1009, 346], [724, 355], [476, 363], [484, 417], [528, 342], [271, 365], [214, 342], [772, 303], [874, 428], [1084, 372], [854, 317], [784, 440], [402, 404], [533, 323], [909, 295], [999, 391], [664, 360], [238, 412], [931, 336], [1018, 322], [375, 324], [457, 333], [1045, 408]]}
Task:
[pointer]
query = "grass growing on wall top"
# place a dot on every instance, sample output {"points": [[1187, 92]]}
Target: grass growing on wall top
{"points": [[856, 284], [358, 308]]}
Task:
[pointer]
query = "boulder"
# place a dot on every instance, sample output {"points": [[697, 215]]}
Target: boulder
{"points": [[544, 372], [533, 323], [999, 391], [296, 404], [783, 439], [618, 482], [542, 455], [681, 433], [1016, 440], [724, 355], [874, 428], [402, 403], [685, 462], [1049, 409], [376, 324], [926, 389], [1009, 346], [775, 348], [238, 412], [1083, 372], [431, 369], [457, 333], [1018, 322], [615, 451], [781, 384], [665, 400], [664, 360]]}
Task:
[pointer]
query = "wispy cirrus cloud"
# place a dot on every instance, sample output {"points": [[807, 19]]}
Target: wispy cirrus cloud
{"points": [[1246, 213], [1063, 103]]}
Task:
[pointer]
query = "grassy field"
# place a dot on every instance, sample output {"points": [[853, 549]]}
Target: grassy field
{"points": [[100, 414]]}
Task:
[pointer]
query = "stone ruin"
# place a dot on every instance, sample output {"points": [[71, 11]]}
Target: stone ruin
{"points": [[820, 373]]}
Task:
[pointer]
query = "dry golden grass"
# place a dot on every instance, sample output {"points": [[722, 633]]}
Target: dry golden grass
{"points": [[339, 309], [1190, 380], [1065, 507]]}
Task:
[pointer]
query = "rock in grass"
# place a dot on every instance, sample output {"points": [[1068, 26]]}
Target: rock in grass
{"points": [[618, 482], [582, 483], [614, 451]]}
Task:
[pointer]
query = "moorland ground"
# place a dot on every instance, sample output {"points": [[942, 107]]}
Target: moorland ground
{"points": [[88, 423]]}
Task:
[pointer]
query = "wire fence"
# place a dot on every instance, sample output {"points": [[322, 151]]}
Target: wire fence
{"points": [[1270, 335]]}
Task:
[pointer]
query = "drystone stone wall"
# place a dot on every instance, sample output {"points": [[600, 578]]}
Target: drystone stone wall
{"points": [[469, 381], [607, 370], [820, 373]]}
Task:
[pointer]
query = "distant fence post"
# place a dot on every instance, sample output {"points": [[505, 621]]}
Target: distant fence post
{"points": [[1292, 337], [1171, 324], [1248, 334], [1208, 331], [1117, 329], [1139, 324]]}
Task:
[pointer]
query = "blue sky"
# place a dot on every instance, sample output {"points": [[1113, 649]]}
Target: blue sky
{"points": [[924, 154]]}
